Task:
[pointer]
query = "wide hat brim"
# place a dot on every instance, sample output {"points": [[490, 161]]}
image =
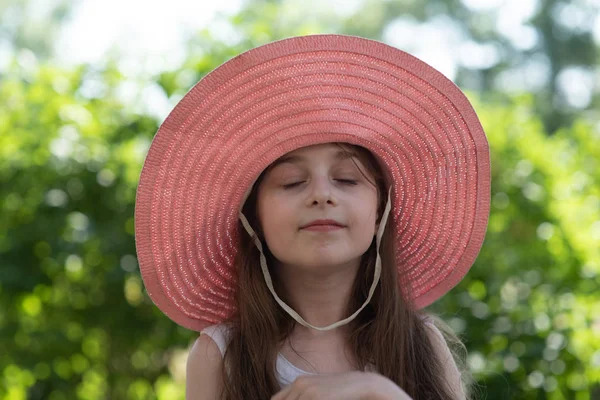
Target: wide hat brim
{"points": [[297, 92]]}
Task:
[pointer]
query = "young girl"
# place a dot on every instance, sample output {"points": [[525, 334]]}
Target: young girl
{"points": [[300, 207]]}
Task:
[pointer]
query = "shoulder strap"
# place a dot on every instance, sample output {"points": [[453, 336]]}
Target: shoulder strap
{"points": [[218, 333]]}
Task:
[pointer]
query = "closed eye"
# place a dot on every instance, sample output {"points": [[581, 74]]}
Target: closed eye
{"points": [[347, 181], [291, 185]]}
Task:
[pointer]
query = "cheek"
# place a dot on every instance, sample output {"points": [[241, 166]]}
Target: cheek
{"points": [[366, 214], [274, 217]]}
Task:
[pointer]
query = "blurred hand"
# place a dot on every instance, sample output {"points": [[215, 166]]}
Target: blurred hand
{"points": [[354, 385]]}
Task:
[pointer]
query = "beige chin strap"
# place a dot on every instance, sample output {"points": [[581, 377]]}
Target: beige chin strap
{"points": [[288, 309]]}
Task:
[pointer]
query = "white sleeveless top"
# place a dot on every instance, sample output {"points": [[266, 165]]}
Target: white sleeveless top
{"points": [[285, 371]]}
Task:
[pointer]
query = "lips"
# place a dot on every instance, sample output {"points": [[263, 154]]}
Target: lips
{"points": [[323, 222]]}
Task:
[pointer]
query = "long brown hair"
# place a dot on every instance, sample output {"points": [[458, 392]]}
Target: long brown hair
{"points": [[388, 333]]}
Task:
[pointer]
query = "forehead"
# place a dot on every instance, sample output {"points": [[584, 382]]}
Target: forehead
{"points": [[305, 154]]}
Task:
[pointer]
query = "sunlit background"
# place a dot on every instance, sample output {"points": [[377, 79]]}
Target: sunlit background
{"points": [[85, 84]]}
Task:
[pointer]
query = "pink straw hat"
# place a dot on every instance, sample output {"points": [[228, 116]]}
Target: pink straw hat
{"points": [[294, 93]]}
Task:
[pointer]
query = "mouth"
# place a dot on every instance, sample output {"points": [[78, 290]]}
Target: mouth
{"points": [[323, 225], [322, 222], [323, 228]]}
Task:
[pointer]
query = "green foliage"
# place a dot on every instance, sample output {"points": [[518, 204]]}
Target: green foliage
{"points": [[75, 321], [529, 308]]}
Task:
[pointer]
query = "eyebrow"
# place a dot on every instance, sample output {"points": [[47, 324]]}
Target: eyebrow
{"points": [[340, 155]]}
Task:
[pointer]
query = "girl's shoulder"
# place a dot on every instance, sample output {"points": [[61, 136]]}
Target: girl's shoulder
{"points": [[219, 333], [203, 369], [427, 319], [439, 334]]}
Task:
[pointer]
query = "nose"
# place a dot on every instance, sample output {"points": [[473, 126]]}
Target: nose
{"points": [[321, 191]]}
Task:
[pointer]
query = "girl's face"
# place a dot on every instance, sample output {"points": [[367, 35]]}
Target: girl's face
{"points": [[319, 182]]}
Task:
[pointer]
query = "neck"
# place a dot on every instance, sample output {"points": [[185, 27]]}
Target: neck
{"points": [[321, 299]]}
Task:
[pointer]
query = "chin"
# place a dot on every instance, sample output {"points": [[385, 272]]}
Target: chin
{"points": [[322, 262], [321, 258]]}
